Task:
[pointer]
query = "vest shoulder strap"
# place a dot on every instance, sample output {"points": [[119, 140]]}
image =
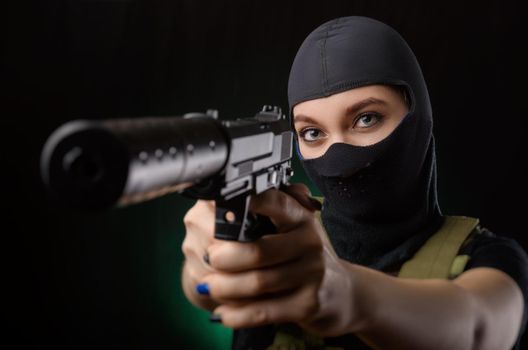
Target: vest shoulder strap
{"points": [[437, 258], [324, 235]]}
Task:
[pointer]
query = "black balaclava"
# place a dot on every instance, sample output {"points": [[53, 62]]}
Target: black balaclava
{"points": [[380, 200]]}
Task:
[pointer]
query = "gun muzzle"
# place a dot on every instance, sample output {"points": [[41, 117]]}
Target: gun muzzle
{"points": [[99, 164]]}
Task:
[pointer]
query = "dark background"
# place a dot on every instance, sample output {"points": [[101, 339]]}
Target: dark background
{"points": [[111, 280]]}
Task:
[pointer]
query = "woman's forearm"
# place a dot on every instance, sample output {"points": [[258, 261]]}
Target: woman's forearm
{"points": [[421, 314]]}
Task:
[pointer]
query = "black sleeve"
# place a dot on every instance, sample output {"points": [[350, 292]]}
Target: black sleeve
{"points": [[502, 253]]}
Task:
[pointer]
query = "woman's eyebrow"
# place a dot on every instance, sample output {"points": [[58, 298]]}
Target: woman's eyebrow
{"points": [[353, 109], [356, 107], [304, 118]]}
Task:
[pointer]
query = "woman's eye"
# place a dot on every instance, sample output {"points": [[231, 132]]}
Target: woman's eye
{"points": [[367, 120], [311, 134]]}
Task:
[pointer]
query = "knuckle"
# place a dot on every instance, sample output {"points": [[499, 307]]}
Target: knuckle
{"points": [[259, 282], [260, 316], [314, 244], [187, 247], [300, 188], [188, 219], [311, 305], [255, 253], [281, 200], [200, 210], [304, 188], [214, 257], [316, 268], [317, 244], [223, 256], [319, 270], [318, 250], [192, 272], [210, 204]]}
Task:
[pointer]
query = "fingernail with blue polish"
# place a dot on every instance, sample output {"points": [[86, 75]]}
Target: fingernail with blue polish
{"points": [[203, 289]]}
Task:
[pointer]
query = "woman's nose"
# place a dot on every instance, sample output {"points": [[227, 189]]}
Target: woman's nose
{"points": [[338, 138]]}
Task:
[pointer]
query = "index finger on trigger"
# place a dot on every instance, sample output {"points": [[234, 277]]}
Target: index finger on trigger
{"points": [[283, 210], [303, 195]]}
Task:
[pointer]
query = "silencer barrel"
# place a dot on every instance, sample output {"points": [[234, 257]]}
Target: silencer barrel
{"points": [[99, 164]]}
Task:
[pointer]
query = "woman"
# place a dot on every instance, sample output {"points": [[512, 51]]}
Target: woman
{"points": [[385, 269]]}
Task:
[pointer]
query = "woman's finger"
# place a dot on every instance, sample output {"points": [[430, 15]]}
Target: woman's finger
{"points": [[300, 306], [268, 251], [283, 210], [228, 287], [199, 227], [302, 194]]}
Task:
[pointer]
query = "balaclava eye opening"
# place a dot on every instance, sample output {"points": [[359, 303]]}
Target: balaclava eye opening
{"points": [[380, 200]]}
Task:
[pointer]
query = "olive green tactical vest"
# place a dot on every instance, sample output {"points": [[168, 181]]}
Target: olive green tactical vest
{"points": [[437, 258]]}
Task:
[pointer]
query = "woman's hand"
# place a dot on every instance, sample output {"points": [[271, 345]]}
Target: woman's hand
{"points": [[199, 235], [293, 276]]}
